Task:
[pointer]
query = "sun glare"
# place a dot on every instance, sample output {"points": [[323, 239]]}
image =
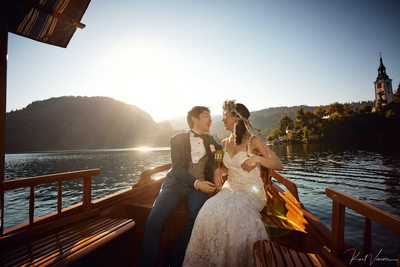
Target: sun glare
{"points": [[145, 76], [143, 148]]}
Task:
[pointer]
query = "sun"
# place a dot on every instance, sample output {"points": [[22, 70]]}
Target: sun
{"points": [[146, 76]]}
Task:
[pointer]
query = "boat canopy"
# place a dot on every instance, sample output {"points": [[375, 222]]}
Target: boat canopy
{"points": [[49, 21]]}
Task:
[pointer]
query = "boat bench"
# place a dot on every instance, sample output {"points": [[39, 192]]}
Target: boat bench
{"points": [[65, 245], [269, 253]]}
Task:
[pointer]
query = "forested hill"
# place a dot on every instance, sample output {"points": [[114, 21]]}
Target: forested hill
{"points": [[265, 119], [82, 123]]}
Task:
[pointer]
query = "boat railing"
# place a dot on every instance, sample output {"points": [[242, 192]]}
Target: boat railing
{"points": [[268, 174], [145, 176], [340, 202], [31, 182]]}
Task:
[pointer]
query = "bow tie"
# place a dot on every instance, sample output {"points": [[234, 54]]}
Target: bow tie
{"points": [[198, 135]]}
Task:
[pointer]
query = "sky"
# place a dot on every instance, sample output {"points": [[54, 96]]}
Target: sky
{"points": [[168, 56]]}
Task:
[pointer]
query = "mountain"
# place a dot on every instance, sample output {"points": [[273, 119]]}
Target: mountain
{"points": [[82, 123], [266, 119]]}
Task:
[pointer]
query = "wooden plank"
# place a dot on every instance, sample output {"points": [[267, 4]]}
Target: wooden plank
{"points": [[286, 256], [258, 254], [277, 254], [322, 260], [67, 244], [337, 235], [45, 244], [3, 92], [48, 252], [367, 240], [269, 254], [80, 247], [314, 259], [296, 259], [59, 198], [96, 244], [31, 205], [305, 260], [40, 229], [87, 192]]}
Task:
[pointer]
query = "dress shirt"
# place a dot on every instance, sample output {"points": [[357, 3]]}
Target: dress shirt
{"points": [[197, 147]]}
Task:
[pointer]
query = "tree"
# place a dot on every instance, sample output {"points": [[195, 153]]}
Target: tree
{"points": [[320, 112], [335, 107], [396, 95], [285, 123], [365, 109]]}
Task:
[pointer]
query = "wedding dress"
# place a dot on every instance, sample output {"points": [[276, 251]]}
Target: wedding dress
{"points": [[229, 223]]}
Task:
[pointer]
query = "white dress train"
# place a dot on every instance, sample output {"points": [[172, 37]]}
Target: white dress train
{"points": [[229, 223]]}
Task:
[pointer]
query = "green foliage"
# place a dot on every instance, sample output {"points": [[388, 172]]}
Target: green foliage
{"points": [[344, 123], [286, 123]]}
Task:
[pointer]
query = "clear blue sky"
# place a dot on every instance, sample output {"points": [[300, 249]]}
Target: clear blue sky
{"points": [[167, 56]]}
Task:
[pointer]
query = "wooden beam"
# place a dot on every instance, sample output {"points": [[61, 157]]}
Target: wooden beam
{"points": [[3, 90], [367, 240], [32, 206], [46, 179], [59, 198], [87, 193], [338, 216], [64, 18], [384, 218]]}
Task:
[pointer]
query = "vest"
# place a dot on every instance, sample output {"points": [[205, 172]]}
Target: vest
{"points": [[198, 169]]}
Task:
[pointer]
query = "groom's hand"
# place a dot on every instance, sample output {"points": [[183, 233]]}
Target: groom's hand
{"points": [[218, 178], [205, 186]]}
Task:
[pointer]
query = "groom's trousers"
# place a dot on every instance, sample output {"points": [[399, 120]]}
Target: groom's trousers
{"points": [[166, 202]]}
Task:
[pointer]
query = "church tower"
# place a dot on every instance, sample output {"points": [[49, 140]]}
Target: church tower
{"points": [[383, 87]]}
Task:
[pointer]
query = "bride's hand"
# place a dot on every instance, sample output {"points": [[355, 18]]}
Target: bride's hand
{"points": [[249, 163]]}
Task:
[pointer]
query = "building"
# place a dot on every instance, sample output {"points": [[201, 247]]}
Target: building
{"points": [[383, 87]]}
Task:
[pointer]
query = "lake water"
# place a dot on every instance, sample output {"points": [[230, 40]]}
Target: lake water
{"points": [[369, 175]]}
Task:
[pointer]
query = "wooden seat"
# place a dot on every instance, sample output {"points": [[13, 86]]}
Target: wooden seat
{"points": [[65, 245], [269, 253]]}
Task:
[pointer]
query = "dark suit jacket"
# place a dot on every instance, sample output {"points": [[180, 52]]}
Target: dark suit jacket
{"points": [[181, 157]]}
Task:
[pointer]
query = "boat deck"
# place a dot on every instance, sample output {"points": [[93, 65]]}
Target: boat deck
{"points": [[65, 245]]}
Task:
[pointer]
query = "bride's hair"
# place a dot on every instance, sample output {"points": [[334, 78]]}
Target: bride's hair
{"points": [[240, 128]]}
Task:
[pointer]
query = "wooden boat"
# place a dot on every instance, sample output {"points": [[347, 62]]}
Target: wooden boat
{"points": [[108, 231]]}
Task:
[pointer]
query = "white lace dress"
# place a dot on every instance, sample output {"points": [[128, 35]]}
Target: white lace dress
{"points": [[229, 223]]}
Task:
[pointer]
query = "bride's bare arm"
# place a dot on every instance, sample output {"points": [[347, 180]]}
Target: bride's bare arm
{"points": [[264, 156]]}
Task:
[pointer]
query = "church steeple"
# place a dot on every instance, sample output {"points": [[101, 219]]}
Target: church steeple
{"points": [[382, 69], [383, 86]]}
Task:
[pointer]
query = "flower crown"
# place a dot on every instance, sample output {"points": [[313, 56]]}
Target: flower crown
{"points": [[230, 106]]}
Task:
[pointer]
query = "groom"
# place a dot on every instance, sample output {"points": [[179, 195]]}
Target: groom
{"points": [[190, 178]]}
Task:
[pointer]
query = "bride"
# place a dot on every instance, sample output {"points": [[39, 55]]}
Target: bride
{"points": [[230, 223]]}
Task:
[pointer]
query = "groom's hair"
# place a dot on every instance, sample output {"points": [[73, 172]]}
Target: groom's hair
{"points": [[195, 112]]}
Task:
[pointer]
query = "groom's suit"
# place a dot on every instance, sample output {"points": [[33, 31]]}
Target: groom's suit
{"points": [[177, 186]]}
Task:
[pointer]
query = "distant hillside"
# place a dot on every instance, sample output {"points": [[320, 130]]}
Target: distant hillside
{"points": [[266, 119], [82, 123]]}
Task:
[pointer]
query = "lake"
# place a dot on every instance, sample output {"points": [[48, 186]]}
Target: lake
{"points": [[369, 175]]}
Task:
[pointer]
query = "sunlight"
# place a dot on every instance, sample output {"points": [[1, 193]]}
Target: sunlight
{"points": [[144, 148], [145, 76]]}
